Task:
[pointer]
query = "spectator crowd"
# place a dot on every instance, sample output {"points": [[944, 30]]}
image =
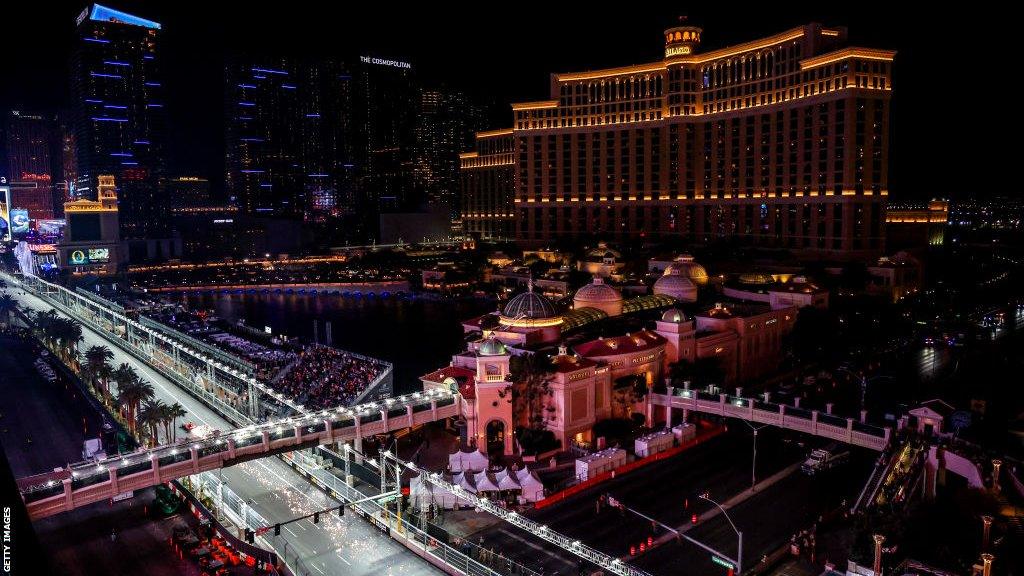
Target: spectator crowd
{"points": [[325, 377]]}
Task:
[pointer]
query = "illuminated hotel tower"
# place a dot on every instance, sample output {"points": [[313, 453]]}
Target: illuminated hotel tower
{"points": [[779, 142], [118, 115], [289, 148]]}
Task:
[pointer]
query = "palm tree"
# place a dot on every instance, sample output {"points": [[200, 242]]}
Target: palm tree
{"points": [[126, 397], [46, 322], [68, 333], [150, 416], [7, 305], [530, 385], [97, 358], [131, 394], [122, 375], [103, 374], [174, 411]]}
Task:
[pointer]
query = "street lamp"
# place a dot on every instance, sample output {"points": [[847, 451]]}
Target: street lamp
{"points": [[753, 463], [739, 535], [864, 383]]}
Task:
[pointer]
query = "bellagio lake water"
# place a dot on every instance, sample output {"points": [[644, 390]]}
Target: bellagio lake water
{"points": [[416, 335]]}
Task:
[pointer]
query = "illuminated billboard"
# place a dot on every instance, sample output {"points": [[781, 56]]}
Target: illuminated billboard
{"points": [[19, 222], [99, 255], [78, 257], [5, 223], [83, 256], [49, 227]]}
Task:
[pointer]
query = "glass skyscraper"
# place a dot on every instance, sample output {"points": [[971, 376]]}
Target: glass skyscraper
{"points": [[288, 138], [118, 115]]}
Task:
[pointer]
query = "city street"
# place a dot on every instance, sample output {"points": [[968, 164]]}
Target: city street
{"points": [[766, 519], [335, 546], [721, 467], [42, 424]]}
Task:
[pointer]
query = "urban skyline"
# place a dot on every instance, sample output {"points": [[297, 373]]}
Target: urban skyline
{"points": [[310, 290], [508, 72]]}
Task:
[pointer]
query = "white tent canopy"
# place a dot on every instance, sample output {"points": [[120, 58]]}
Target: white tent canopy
{"points": [[507, 480], [424, 494], [533, 489], [472, 461], [464, 480], [485, 482]]}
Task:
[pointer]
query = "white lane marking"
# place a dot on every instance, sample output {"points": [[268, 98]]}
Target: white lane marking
{"points": [[535, 546], [342, 558], [319, 569], [290, 531]]}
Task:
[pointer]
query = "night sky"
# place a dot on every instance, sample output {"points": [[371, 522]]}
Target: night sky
{"points": [[944, 111]]}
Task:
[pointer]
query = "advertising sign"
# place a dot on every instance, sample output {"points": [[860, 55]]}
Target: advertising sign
{"points": [[19, 222], [49, 227], [5, 222], [78, 258], [99, 254]]}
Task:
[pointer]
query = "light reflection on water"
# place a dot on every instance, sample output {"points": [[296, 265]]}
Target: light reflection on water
{"points": [[417, 335]]}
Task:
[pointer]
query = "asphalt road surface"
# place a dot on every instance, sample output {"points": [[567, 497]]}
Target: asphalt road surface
{"points": [[722, 467], [346, 545], [42, 424]]}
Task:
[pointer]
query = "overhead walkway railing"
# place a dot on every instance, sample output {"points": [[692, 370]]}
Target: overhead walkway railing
{"points": [[847, 430], [207, 372], [94, 481]]}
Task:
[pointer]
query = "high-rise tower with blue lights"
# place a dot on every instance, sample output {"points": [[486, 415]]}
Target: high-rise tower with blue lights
{"points": [[118, 115]]}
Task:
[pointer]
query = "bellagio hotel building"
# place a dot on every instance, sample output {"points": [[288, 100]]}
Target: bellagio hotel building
{"points": [[780, 142]]}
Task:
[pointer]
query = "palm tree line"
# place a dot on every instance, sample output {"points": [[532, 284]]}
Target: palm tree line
{"points": [[120, 388], [134, 397], [60, 334]]}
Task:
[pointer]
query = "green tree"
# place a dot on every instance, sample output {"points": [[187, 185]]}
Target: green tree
{"points": [[7, 306], [150, 417], [130, 396], [174, 411], [122, 375], [528, 389], [97, 360]]}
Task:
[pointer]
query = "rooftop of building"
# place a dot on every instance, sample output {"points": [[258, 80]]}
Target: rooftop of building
{"points": [[457, 375], [100, 13], [727, 309], [563, 363], [625, 344]]}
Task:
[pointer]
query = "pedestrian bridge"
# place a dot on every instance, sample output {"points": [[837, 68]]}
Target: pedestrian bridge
{"points": [[82, 484], [848, 430]]}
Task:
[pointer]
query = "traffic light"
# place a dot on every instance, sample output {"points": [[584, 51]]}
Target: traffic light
{"points": [[341, 510], [316, 517], [693, 519], [250, 536], [277, 529]]}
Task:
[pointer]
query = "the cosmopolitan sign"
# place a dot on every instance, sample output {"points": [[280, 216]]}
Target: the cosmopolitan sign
{"points": [[384, 62]]}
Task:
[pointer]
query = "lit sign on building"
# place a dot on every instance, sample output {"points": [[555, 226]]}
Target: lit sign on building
{"points": [[49, 227], [19, 222], [81, 257], [383, 62], [678, 51], [78, 257], [5, 203], [99, 254]]}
